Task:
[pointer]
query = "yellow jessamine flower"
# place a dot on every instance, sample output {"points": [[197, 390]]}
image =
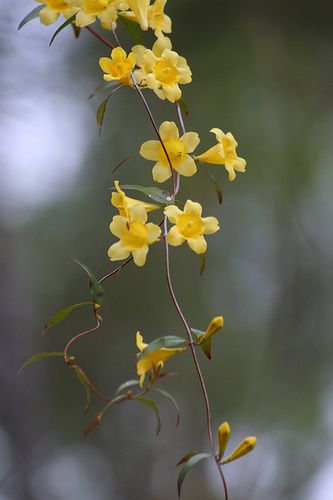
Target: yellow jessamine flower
{"points": [[53, 8], [157, 19], [162, 69], [134, 235], [177, 148], [123, 203], [190, 226], [105, 10], [153, 360], [214, 326], [224, 153], [140, 11], [118, 67]]}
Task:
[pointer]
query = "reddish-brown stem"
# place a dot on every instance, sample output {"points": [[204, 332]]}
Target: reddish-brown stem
{"points": [[100, 37], [115, 271], [79, 336], [194, 356]]}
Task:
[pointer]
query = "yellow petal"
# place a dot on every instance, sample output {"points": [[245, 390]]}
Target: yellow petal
{"points": [[172, 92], [247, 445], [150, 150], [191, 141], [218, 133], [175, 238], [118, 54], [214, 155], [138, 214], [118, 226], [198, 245], [48, 16], [161, 172], [168, 131], [162, 43], [82, 19], [172, 212], [211, 225], [140, 9], [231, 171], [140, 255], [118, 251], [187, 167], [223, 435], [193, 207], [215, 325], [105, 64], [154, 232], [139, 342]]}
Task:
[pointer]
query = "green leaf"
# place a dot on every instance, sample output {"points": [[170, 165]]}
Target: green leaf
{"points": [[82, 378], [168, 341], [125, 385], [97, 420], [183, 106], [100, 115], [152, 405], [186, 457], [62, 314], [197, 333], [76, 30], [156, 194], [188, 465], [133, 29], [39, 356], [104, 87], [29, 17], [202, 263], [216, 186], [206, 347], [96, 289], [173, 401], [66, 23]]}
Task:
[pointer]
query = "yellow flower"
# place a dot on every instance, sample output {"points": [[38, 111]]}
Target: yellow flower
{"points": [[140, 10], [134, 235], [223, 435], [153, 360], [190, 226], [119, 67], [162, 71], [247, 445], [53, 8], [215, 325], [123, 203], [177, 148], [105, 10], [224, 153], [157, 19]]}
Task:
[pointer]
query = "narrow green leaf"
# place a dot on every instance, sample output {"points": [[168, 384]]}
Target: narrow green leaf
{"points": [[96, 289], [152, 405], [62, 314], [167, 341], [156, 194], [186, 457], [217, 186], [32, 15], [39, 356], [202, 263], [97, 420], [100, 115], [133, 29], [124, 161], [183, 106], [197, 333], [126, 385], [84, 381], [66, 23], [188, 465], [173, 401], [104, 87], [76, 30]]}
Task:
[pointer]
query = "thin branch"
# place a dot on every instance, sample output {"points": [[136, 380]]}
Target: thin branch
{"points": [[100, 37]]}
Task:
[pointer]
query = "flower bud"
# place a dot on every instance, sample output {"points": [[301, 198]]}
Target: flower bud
{"points": [[242, 449], [223, 435]]}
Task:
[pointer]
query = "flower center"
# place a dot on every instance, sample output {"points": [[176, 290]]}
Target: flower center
{"points": [[94, 7], [190, 225], [166, 73], [58, 5], [176, 151], [136, 236], [120, 68]]}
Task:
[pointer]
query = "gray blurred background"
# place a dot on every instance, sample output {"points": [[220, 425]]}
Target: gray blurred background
{"points": [[263, 71]]}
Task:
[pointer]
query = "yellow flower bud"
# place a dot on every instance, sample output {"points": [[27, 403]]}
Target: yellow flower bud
{"points": [[223, 435], [247, 445]]}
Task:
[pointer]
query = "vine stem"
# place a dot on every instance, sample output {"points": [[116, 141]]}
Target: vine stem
{"points": [[194, 356]]}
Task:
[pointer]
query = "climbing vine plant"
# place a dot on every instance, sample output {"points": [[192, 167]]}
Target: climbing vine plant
{"points": [[161, 71]]}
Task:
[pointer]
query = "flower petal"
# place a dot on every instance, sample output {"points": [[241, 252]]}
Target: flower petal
{"points": [[118, 54], [172, 212], [198, 245], [211, 225], [139, 342], [138, 213], [218, 133], [187, 167], [193, 207], [150, 150], [191, 141], [161, 172], [48, 16], [175, 239], [169, 130], [118, 251], [139, 255], [118, 226], [154, 232], [172, 92]]}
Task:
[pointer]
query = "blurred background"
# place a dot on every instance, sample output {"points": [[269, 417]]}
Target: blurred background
{"points": [[263, 71]]}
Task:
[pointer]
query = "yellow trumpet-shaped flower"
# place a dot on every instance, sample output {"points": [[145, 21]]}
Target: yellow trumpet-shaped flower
{"points": [[215, 325], [134, 235], [223, 435], [118, 67], [157, 19], [177, 148], [53, 9], [105, 10], [247, 445], [123, 203], [190, 226], [153, 360], [140, 10], [162, 70], [224, 153]]}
